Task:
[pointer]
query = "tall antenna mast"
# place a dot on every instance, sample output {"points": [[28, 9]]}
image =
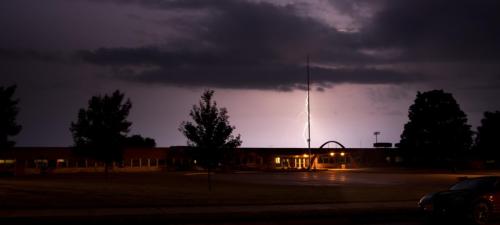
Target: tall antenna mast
{"points": [[308, 114]]}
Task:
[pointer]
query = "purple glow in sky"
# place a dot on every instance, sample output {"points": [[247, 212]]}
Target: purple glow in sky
{"points": [[369, 59]]}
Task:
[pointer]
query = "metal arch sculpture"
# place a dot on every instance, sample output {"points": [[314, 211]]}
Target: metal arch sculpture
{"points": [[321, 147], [328, 142]]}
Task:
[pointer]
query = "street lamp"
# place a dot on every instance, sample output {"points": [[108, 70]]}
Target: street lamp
{"points": [[376, 133]]}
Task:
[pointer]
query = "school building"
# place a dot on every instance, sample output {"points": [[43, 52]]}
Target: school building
{"points": [[42, 160]]}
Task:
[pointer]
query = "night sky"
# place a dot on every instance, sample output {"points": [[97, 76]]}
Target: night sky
{"points": [[368, 60]]}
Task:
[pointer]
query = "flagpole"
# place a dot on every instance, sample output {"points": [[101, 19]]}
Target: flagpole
{"points": [[309, 113]]}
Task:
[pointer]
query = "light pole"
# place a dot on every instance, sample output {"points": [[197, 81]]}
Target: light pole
{"points": [[376, 133], [308, 115]]}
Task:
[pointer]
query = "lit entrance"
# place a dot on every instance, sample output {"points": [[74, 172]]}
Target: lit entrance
{"points": [[331, 158], [297, 162]]}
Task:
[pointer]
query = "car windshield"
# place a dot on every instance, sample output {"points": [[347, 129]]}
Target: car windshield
{"points": [[473, 184]]}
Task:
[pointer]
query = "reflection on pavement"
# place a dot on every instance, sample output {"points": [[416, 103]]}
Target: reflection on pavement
{"points": [[338, 177]]}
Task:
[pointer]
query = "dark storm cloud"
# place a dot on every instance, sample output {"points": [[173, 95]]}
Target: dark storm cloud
{"points": [[429, 30], [256, 32], [190, 69], [246, 45], [448, 30], [30, 55], [263, 45], [278, 77]]}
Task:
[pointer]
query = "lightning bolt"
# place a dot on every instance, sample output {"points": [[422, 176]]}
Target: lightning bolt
{"points": [[304, 131], [302, 115]]}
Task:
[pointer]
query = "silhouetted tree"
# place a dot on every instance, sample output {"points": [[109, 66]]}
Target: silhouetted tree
{"points": [[437, 132], [8, 114], [101, 129], [210, 134], [138, 141], [487, 144]]}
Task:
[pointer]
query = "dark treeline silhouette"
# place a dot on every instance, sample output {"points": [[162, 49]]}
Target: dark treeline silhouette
{"points": [[437, 133], [138, 141], [8, 115], [487, 144]]}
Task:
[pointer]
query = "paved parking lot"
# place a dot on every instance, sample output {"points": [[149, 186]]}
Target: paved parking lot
{"points": [[163, 195]]}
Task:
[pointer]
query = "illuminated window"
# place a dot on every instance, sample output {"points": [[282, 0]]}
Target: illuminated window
{"points": [[277, 160], [41, 163], [7, 163], [61, 163], [324, 160]]}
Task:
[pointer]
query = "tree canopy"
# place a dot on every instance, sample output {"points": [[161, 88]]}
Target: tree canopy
{"points": [[101, 129], [437, 130], [8, 115], [487, 143], [210, 131]]}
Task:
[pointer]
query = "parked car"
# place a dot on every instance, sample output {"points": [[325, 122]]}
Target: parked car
{"points": [[473, 200]]}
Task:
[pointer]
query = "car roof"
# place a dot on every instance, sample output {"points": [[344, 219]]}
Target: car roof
{"points": [[483, 177], [495, 179]]}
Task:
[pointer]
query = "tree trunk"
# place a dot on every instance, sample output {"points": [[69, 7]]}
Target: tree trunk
{"points": [[209, 179], [106, 169]]}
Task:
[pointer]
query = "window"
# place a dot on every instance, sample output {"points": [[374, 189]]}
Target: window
{"points": [[81, 164], [61, 163], [72, 163], [7, 163], [135, 162], [30, 164], [154, 163], [52, 163], [41, 163], [328, 160]]}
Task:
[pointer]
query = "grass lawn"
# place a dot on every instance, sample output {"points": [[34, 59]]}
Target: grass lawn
{"points": [[188, 189]]}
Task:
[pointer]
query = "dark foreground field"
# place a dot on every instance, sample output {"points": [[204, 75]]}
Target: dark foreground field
{"points": [[184, 196]]}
